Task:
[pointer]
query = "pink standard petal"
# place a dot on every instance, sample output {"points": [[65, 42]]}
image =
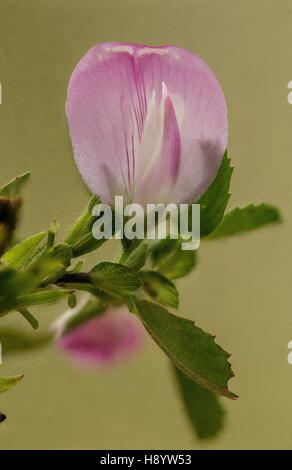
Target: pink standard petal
{"points": [[114, 97], [104, 339]]}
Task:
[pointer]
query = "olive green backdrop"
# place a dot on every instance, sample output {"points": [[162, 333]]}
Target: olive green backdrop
{"points": [[242, 289]]}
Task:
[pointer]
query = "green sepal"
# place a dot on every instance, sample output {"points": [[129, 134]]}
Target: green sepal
{"points": [[13, 187], [80, 236], [20, 255]]}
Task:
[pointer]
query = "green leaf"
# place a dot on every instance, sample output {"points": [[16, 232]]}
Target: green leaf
{"points": [[202, 406], [245, 219], [17, 341], [171, 261], [160, 288], [115, 278], [43, 297], [110, 279], [213, 203], [21, 254], [12, 188], [36, 272], [29, 317], [5, 384], [190, 348], [80, 235], [137, 258], [8, 382]]}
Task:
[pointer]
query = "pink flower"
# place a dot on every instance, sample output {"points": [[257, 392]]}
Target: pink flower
{"points": [[147, 123], [103, 339]]}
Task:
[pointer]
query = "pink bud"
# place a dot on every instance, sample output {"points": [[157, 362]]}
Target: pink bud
{"points": [[103, 339]]}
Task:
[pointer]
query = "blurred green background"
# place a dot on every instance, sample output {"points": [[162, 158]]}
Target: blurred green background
{"points": [[242, 288]]}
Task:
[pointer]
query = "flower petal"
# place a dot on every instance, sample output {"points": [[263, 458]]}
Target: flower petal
{"points": [[110, 95], [103, 339], [162, 161]]}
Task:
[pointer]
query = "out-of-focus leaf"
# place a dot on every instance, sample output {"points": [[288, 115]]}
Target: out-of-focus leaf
{"points": [[18, 341], [9, 208], [52, 234], [61, 254], [72, 301], [16, 283], [12, 284], [202, 406], [28, 317], [37, 271], [245, 219], [171, 261], [21, 254], [43, 297], [12, 188], [10, 203], [213, 203], [8, 382], [191, 349], [160, 288]]}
